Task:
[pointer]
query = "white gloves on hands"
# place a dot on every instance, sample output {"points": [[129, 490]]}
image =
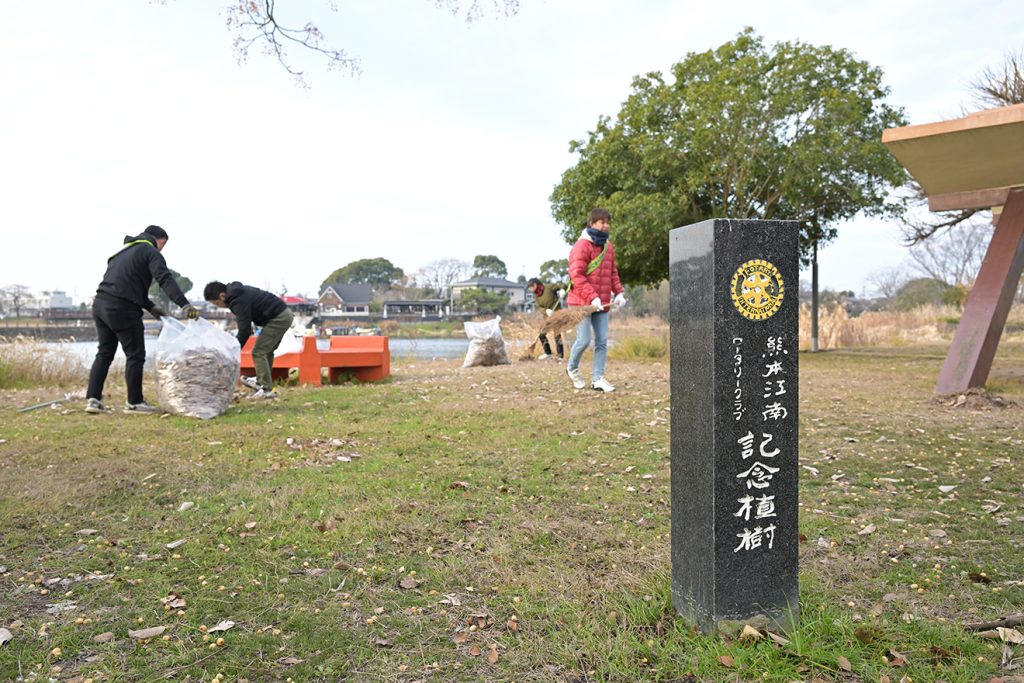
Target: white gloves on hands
{"points": [[596, 303], [561, 293], [548, 312], [619, 300]]}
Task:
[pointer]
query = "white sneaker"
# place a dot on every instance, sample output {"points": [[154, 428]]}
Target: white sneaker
{"points": [[95, 406], [544, 356], [577, 378], [264, 393], [249, 381], [603, 385], [140, 409]]}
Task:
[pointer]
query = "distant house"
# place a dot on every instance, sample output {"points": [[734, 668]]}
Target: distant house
{"points": [[300, 305], [414, 309], [515, 291], [345, 301]]}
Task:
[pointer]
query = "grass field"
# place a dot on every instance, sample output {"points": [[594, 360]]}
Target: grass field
{"points": [[491, 524]]}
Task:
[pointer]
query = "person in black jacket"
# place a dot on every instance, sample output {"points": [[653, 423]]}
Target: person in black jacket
{"points": [[117, 311], [254, 306]]}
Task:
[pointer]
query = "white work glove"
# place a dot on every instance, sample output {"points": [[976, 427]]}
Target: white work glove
{"points": [[619, 301], [561, 293], [548, 312], [596, 303]]}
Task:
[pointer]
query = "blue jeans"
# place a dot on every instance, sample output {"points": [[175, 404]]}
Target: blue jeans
{"points": [[599, 321]]}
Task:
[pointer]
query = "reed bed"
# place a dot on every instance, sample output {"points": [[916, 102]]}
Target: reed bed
{"points": [[924, 325], [26, 362]]}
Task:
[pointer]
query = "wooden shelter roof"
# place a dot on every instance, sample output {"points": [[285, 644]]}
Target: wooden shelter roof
{"points": [[966, 163]]}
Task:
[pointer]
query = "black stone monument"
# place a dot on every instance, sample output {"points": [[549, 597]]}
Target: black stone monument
{"points": [[734, 313]]}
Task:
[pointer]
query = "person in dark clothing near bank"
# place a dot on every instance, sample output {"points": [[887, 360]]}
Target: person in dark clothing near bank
{"points": [[254, 306], [117, 311]]}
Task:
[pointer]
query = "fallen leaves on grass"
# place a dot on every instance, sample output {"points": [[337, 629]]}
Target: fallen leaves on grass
{"points": [[844, 664], [221, 626], [749, 634], [408, 583], [143, 634], [726, 661], [173, 601], [492, 654], [897, 658], [459, 485], [1010, 635]]}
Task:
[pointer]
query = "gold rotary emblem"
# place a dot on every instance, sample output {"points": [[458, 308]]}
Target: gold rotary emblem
{"points": [[757, 289]]}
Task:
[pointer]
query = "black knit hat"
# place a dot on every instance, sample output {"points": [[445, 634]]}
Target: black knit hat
{"points": [[156, 231]]}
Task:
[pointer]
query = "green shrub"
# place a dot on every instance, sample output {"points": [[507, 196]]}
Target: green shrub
{"points": [[639, 348]]}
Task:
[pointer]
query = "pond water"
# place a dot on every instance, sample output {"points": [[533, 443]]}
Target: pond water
{"points": [[400, 349]]}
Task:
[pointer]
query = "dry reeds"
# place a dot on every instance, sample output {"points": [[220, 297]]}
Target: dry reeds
{"points": [[26, 362], [836, 329]]}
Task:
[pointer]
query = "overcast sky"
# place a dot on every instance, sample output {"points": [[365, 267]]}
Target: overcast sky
{"points": [[119, 113]]}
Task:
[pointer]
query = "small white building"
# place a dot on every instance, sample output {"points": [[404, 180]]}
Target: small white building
{"points": [[56, 300]]}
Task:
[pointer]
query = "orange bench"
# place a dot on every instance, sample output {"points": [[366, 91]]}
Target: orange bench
{"points": [[368, 358]]}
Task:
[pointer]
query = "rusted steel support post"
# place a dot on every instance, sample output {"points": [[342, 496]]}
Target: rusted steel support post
{"points": [[977, 336]]}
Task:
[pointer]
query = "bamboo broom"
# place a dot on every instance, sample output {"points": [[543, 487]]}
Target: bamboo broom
{"points": [[558, 322]]}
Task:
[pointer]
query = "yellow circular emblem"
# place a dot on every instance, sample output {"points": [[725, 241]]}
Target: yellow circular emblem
{"points": [[757, 289]]}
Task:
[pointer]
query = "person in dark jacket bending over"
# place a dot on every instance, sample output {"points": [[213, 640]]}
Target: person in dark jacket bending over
{"points": [[117, 311], [253, 306]]}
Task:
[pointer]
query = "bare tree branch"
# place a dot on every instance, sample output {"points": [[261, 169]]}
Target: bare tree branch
{"points": [[254, 22], [955, 257], [917, 230], [994, 87], [506, 7], [1003, 85]]}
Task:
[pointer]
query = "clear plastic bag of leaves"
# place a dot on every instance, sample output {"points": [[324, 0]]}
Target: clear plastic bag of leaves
{"points": [[486, 346], [197, 367]]}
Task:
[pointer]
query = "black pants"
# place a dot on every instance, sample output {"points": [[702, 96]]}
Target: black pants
{"points": [[118, 321], [547, 346]]}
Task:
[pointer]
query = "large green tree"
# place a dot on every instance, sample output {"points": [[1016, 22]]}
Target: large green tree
{"points": [[488, 265], [379, 273], [482, 301], [157, 296], [555, 270], [743, 131]]}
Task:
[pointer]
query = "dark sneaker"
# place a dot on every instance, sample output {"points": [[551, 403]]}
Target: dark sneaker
{"points": [[249, 381], [95, 406], [140, 409]]}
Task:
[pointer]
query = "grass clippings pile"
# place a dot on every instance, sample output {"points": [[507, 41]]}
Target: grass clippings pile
{"points": [[494, 524]]}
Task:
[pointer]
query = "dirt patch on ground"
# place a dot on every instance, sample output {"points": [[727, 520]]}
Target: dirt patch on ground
{"points": [[973, 399]]}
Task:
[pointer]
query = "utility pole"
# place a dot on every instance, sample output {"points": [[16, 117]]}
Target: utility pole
{"points": [[814, 295]]}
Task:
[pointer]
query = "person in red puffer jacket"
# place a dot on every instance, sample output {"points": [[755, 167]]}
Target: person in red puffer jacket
{"points": [[595, 283]]}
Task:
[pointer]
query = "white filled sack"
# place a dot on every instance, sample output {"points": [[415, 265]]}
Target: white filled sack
{"points": [[196, 368], [486, 346]]}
